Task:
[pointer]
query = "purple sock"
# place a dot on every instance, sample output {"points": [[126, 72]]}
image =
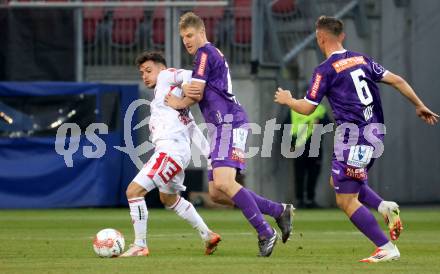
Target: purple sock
{"points": [[244, 201], [267, 206], [368, 197], [367, 224]]}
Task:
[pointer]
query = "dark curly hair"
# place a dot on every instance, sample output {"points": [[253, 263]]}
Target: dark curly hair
{"points": [[155, 56]]}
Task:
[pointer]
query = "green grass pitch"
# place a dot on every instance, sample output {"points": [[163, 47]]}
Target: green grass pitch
{"points": [[324, 241]]}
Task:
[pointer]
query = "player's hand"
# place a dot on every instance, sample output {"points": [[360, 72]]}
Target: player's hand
{"points": [[192, 91], [282, 96], [172, 101], [427, 115]]}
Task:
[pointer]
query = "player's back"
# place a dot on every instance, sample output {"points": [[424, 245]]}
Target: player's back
{"points": [[348, 79], [166, 122]]}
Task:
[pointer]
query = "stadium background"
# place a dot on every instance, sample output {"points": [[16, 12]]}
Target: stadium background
{"points": [[268, 44]]}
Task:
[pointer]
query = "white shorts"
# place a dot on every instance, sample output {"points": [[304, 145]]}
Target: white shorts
{"points": [[166, 167]]}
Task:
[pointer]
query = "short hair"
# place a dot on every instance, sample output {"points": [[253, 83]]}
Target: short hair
{"points": [[154, 56], [331, 24], [190, 19]]}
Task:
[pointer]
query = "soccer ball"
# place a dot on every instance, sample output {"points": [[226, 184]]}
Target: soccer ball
{"points": [[108, 243]]}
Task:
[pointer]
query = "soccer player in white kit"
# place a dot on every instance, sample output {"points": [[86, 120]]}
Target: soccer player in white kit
{"points": [[171, 132]]}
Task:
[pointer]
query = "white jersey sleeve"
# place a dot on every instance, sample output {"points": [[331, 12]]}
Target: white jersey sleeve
{"points": [[175, 77], [182, 76]]}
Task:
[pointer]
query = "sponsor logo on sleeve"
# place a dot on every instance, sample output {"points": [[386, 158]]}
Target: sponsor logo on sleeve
{"points": [[315, 86], [202, 65], [377, 68]]}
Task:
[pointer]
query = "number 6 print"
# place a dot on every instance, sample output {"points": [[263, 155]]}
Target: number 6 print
{"points": [[361, 86]]}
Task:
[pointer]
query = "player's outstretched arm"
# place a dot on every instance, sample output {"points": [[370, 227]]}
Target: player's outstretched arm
{"points": [[284, 97], [406, 90]]}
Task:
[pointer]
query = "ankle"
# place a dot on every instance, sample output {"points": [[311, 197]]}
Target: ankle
{"points": [[140, 242], [387, 246]]}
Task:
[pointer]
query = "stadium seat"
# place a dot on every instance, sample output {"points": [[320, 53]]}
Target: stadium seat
{"points": [[158, 28], [125, 25], [211, 17], [92, 17], [283, 7], [242, 22]]}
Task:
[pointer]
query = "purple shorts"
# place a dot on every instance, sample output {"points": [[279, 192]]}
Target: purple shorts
{"points": [[352, 172], [227, 148]]}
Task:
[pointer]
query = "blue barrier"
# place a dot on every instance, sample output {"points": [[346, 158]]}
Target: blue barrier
{"points": [[33, 174]]}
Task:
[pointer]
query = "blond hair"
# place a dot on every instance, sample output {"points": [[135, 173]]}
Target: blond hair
{"points": [[331, 24], [190, 19]]}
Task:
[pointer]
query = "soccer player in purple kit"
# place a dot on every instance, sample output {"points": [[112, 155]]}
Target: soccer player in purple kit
{"points": [[348, 79], [211, 87]]}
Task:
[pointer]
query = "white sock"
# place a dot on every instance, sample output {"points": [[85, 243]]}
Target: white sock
{"points": [[387, 246], [139, 216], [384, 206], [186, 211]]}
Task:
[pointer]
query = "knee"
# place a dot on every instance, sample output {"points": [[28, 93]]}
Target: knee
{"points": [[168, 200], [216, 197], [341, 203], [346, 204], [134, 190], [219, 185]]}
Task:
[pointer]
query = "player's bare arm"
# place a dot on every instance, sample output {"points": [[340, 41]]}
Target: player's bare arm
{"points": [[406, 90], [179, 102], [194, 90], [284, 97]]}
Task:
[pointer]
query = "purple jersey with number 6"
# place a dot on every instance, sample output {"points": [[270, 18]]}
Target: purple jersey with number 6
{"points": [[348, 79]]}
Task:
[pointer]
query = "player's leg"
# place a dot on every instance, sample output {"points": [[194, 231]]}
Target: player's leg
{"points": [[282, 213], [229, 144], [266, 206], [363, 219], [145, 181], [218, 196], [367, 196], [233, 148], [186, 211], [389, 209], [139, 215], [224, 180], [169, 179]]}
